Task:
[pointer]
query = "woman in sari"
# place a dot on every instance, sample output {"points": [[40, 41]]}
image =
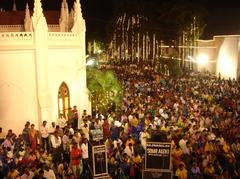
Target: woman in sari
{"points": [[33, 137]]}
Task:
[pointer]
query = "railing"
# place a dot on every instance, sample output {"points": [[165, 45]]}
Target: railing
{"points": [[16, 36], [62, 36]]}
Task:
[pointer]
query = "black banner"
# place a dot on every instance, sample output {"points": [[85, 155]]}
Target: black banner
{"points": [[100, 165], [158, 155]]}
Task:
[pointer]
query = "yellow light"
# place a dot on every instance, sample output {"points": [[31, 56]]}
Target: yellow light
{"points": [[202, 59]]}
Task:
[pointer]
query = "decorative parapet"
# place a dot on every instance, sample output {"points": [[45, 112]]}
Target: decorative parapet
{"points": [[62, 36], [56, 39], [16, 40], [16, 36], [11, 28]]}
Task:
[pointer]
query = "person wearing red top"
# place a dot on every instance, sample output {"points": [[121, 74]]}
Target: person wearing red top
{"points": [[106, 129], [75, 156]]}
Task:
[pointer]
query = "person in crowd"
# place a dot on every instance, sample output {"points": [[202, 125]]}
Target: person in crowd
{"points": [[85, 130], [25, 134], [106, 128], [13, 173], [195, 171], [33, 135], [74, 117], [52, 128], [84, 149], [44, 136], [181, 172], [49, 173], [8, 143], [84, 114], [75, 157], [62, 122], [198, 112], [2, 136], [56, 147]]}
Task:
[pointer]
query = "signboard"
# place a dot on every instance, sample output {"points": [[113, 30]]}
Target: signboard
{"points": [[158, 155], [96, 134], [147, 174], [98, 160]]}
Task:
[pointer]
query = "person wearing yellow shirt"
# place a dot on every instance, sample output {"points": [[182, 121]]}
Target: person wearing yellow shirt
{"points": [[181, 172], [209, 171], [136, 159]]}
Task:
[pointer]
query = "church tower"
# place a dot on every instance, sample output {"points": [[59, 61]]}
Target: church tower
{"points": [[42, 65]]}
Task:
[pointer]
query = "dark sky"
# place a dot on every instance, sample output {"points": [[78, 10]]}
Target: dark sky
{"points": [[223, 16]]}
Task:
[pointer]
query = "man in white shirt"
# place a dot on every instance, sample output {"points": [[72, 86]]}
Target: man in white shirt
{"points": [[84, 148], [62, 122], [144, 135], [49, 173], [85, 130], [52, 128], [44, 135], [183, 143], [56, 147]]}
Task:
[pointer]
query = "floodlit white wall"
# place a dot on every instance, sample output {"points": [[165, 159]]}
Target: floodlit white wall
{"points": [[227, 62], [18, 99], [65, 65], [224, 55], [206, 48]]}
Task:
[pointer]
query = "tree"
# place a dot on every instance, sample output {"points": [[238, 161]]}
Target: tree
{"points": [[174, 67], [105, 89], [175, 16]]}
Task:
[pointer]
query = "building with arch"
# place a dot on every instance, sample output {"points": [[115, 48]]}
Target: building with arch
{"points": [[42, 65]]}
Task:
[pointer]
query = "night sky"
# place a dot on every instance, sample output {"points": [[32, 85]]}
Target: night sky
{"points": [[223, 17]]}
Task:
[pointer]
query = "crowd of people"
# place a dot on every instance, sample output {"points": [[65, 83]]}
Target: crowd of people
{"points": [[198, 112]]}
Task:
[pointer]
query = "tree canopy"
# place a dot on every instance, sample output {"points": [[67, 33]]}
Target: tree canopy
{"points": [[105, 89]]}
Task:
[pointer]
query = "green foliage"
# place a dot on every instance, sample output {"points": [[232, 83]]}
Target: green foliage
{"points": [[105, 89]]}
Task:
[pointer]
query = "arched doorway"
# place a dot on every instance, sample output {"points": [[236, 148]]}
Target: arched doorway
{"points": [[63, 99]]}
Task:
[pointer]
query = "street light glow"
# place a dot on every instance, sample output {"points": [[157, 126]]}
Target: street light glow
{"points": [[202, 59], [90, 62]]}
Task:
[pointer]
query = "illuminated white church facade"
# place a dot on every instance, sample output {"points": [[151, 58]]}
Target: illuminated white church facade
{"points": [[42, 66]]}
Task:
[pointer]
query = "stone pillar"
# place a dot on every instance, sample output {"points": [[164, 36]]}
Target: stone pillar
{"points": [[40, 30]]}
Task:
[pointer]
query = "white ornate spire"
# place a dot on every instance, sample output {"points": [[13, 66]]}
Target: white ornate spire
{"points": [[27, 20], [38, 17], [71, 18], [77, 8], [14, 6], [64, 17], [78, 21]]}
